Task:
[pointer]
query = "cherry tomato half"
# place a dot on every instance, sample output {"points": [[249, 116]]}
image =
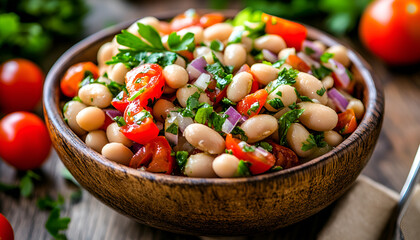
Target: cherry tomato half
{"points": [[210, 19], [24, 140], [346, 122], [156, 155], [6, 230], [293, 33], [74, 75], [297, 63], [140, 126], [391, 30], [187, 19], [20, 85], [120, 102], [259, 162], [145, 83], [252, 104]]}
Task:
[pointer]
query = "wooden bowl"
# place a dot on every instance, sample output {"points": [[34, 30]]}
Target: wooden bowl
{"points": [[214, 206]]}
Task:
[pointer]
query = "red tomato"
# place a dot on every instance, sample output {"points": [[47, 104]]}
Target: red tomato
{"points": [[74, 75], [251, 104], [184, 20], [293, 33], [20, 85], [156, 155], [6, 230], [391, 30], [140, 126], [145, 82], [346, 122], [210, 19], [297, 63], [259, 162], [245, 68], [120, 102], [187, 54], [215, 94], [164, 27], [285, 157], [24, 140]]}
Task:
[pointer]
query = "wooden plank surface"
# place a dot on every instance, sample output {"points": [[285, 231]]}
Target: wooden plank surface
{"points": [[90, 219]]}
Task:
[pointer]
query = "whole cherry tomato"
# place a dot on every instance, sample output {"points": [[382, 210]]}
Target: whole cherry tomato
{"points": [[346, 122], [156, 155], [20, 85], [74, 75], [391, 30], [24, 140], [6, 230]]}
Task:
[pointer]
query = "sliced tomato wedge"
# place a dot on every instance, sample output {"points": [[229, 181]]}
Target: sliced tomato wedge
{"points": [[140, 126], [297, 63], [215, 94], [293, 33], [145, 83], [245, 68], [155, 155], [187, 19], [252, 104], [74, 75], [346, 122], [259, 162], [210, 19], [120, 102], [285, 157]]}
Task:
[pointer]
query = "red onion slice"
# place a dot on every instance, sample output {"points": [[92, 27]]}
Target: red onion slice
{"points": [[309, 61], [203, 81], [338, 99], [340, 73], [269, 56], [112, 113], [232, 120], [196, 67], [172, 138], [317, 52]]}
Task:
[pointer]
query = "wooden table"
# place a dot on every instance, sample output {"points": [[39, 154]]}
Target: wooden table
{"points": [[90, 219]]}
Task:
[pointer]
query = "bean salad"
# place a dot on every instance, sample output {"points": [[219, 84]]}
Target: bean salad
{"points": [[204, 96]]}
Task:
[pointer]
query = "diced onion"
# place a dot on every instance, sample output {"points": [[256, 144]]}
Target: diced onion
{"points": [[269, 56], [233, 119], [112, 113], [183, 122], [172, 138], [196, 67], [340, 73], [338, 99], [309, 61], [317, 51], [203, 81]]}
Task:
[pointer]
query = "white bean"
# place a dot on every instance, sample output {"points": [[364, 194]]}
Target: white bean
{"points": [[320, 45], [152, 21], [225, 165], [71, 110], [328, 82], [161, 109], [196, 30], [182, 94], [95, 94], [114, 134], [118, 72], [200, 165], [117, 152], [175, 76], [180, 61], [264, 73], [296, 136], [284, 53], [310, 86], [281, 112], [357, 106], [317, 117], [271, 42], [204, 138], [239, 87], [259, 127], [340, 54], [96, 140], [218, 31], [235, 55], [90, 118], [285, 93], [105, 53], [333, 138]]}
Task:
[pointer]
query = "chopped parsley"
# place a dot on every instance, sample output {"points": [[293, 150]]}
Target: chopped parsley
{"points": [[138, 93], [309, 50], [302, 98], [292, 106], [173, 128], [77, 99], [216, 121], [54, 223], [286, 77], [181, 159], [235, 37], [243, 169], [321, 91], [203, 113], [285, 121], [216, 45], [115, 88], [326, 56], [141, 116], [238, 131], [253, 108], [248, 148], [176, 43], [321, 72], [120, 121], [265, 145], [222, 74], [276, 103], [314, 140], [226, 103]]}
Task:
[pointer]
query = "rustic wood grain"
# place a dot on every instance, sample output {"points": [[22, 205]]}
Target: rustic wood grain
{"points": [[91, 219]]}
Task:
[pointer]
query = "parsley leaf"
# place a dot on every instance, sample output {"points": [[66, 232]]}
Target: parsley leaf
{"points": [[216, 120], [326, 56], [265, 145], [120, 121], [243, 170], [203, 113], [176, 43], [26, 185], [222, 74], [151, 35], [321, 72], [141, 116], [308, 50], [302, 98], [173, 128], [235, 37], [115, 88], [276, 103], [279, 63], [238, 131], [314, 140], [286, 77], [253, 108], [216, 45], [321, 91], [226, 103], [133, 42], [285, 121], [248, 148], [181, 159], [55, 224], [192, 105]]}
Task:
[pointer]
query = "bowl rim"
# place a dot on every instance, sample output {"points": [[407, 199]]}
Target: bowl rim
{"points": [[51, 104]]}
